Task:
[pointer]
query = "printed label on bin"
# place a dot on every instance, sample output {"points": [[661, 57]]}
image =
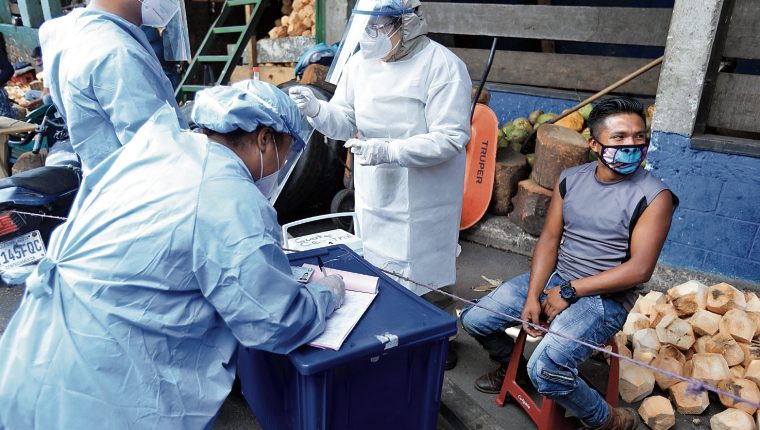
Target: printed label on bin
{"points": [[390, 340]]}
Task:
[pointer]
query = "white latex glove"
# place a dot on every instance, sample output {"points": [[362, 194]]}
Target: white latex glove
{"points": [[305, 99], [371, 152], [336, 286]]}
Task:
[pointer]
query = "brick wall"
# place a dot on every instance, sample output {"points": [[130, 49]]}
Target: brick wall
{"points": [[717, 226]]}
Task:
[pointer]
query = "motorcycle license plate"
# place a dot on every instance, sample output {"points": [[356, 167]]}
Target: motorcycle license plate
{"points": [[25, 249]]}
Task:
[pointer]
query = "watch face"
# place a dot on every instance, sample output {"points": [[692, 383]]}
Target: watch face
{"points": [[565, 292]]}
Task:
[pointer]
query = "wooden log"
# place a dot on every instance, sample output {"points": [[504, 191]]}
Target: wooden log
{"points": [[732, 419], [723, 297], [670, 364], [737, 324], [672, 351], [743, 388], [751, 352], [557, 148], [726, 346], [687, 403], [657, 413], [511, 168], [530, 205], [659, 311], [688, 297], [646, 338], [753, 372], [738, 371], [648, 301], [636, 382], [675, 331], [634, 323], [710, 368], [315, 73], [705, 322]]}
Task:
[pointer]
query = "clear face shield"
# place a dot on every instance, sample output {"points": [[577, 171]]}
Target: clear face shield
{"points": [[289, 161], [370, 20], [170, 17], [176, 38]]}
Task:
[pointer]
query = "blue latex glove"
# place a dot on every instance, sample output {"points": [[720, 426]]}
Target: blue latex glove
{"points": [[371, 152]]}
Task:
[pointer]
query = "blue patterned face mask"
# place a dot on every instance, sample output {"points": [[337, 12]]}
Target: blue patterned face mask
{"points": [[624, 159]]}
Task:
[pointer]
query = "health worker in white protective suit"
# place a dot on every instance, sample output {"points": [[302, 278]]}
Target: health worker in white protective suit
{"points": [[103, 75], [407, 98], [133, 318]]}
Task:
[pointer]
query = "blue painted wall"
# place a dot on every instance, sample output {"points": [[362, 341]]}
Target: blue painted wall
{"points": [[717, 226], [509, 106]]}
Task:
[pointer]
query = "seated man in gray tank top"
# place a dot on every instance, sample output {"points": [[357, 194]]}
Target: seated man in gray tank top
{"points": [[605, 227]]}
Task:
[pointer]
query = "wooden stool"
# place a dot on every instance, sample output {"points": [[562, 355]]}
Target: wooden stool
{"points": [[550, 415]]}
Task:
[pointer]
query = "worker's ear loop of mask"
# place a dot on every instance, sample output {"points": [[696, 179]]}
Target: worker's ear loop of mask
{"points": [[267, 184], [379, 47]]}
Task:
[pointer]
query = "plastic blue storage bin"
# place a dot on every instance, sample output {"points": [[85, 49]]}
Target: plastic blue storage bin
{"points": [[375, 381]]}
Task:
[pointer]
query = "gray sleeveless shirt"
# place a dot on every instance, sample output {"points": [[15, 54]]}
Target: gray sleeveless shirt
{"points": [[598, 221]]}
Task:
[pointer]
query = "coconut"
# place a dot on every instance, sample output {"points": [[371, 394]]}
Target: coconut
{"points": [[517, 136], [546, 117], [523, 123], [574, 122], [533, 117], [586, 133], [585, 111]]}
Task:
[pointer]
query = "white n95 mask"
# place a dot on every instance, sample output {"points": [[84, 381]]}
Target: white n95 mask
{"points": [[158, 13], [373, 48]]}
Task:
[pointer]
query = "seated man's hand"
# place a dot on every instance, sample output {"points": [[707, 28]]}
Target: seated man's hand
{"points": [[553, 304], [531, 313]]}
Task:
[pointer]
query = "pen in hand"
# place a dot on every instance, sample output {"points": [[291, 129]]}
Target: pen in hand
{"points": [[321, 266]]}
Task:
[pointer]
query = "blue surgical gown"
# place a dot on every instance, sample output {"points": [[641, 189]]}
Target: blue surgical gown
{"points": [[104, 78], [133, 318]]}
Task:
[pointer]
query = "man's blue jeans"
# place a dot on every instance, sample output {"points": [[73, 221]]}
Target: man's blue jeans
{"points": [[553, 366]]}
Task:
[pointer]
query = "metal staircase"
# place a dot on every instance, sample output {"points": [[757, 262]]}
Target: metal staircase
{"points": [[209, 67]]}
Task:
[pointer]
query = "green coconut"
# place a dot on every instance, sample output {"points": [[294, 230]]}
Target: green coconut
{"points": [[546, 117], [585, 111], [530, 158], [533, 117], [523, 123], [517, 136]]}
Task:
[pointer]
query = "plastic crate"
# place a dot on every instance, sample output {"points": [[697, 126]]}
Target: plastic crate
{"points": [[387, 375]]}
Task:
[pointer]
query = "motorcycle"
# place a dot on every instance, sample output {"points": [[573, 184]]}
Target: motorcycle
{"points": [[34, 202]]}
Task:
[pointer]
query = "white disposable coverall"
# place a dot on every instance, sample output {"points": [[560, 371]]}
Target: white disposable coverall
{"points": [[409, 212], [133, 318], [104, 78]]}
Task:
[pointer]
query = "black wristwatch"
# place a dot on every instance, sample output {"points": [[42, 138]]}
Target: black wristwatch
{"points": [[567, 292]]}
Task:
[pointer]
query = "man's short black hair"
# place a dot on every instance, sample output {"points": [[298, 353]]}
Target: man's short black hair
{"points": [[613, 106]]}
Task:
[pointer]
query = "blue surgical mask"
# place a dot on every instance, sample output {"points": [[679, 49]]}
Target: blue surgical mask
{"points": [[623, 160], [267, 184]]}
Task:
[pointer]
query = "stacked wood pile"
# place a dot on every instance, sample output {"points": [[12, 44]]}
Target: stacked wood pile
{"points": [[711, 334], [298, 19], [523, 183]]}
